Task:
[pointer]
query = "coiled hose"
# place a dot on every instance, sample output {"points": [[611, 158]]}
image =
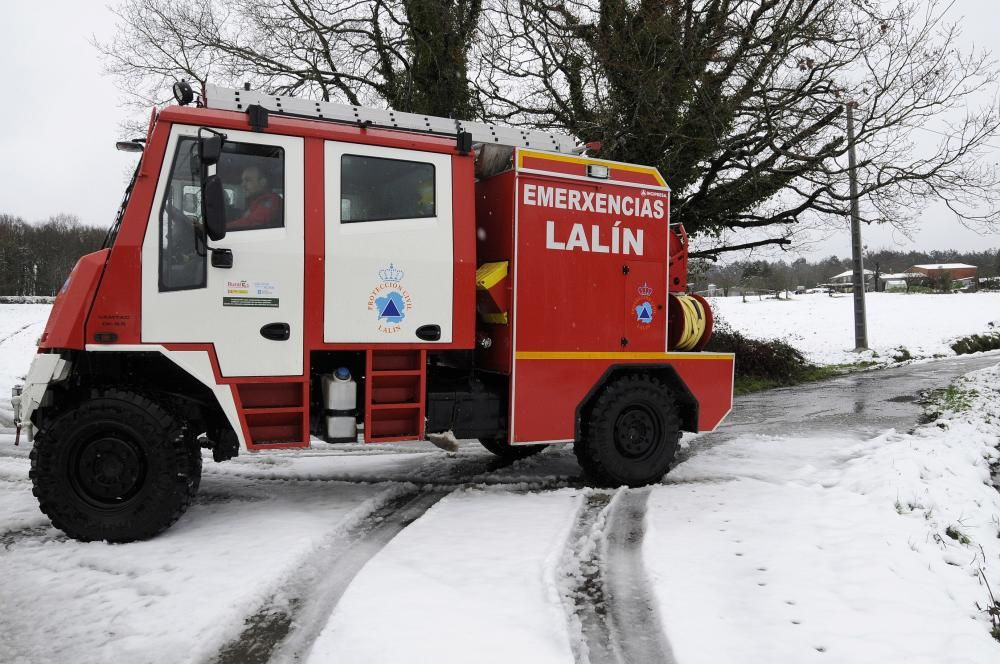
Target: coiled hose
{"points": [[691, 322]]}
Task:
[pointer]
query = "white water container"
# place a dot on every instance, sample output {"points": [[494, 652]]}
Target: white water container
{"points": [[340, 401]]}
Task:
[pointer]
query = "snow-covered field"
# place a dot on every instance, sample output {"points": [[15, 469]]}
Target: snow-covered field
{"points": [[20, 327], [823, 326], [757, 549]]}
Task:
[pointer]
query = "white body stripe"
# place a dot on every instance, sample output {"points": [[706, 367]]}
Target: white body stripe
{"points": [[198, 364]]}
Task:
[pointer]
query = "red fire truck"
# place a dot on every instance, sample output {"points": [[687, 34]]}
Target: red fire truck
{"points": [[283, 269]]}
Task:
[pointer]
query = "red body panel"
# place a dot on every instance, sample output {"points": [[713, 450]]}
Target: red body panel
{"points": [[118, 304], [495, 202], [550, 390], [590, 261], [65, 327]]}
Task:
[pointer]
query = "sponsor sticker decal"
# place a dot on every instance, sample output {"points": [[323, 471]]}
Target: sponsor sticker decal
{"points": [[389, 300], [243, 293]]}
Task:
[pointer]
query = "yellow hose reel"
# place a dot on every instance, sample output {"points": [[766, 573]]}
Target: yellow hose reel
{"points": [[690, 322]]}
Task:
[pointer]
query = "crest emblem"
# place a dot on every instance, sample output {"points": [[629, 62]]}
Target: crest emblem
{"points": [[390, 300]]}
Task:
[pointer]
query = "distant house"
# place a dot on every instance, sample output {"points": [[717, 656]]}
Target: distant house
{"points": [[899, 281], [955, 270], [845, 281]]}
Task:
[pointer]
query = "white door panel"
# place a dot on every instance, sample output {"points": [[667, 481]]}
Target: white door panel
{"points": [[386, 279], [267, 272]]}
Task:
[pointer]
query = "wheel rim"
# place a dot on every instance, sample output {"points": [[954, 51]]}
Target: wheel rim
{"points": [[637, 432], [107, 471]]}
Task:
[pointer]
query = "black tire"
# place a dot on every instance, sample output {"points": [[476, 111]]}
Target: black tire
{"points": [[631, 434], [115, 467], [505, 450], [194, 463]]}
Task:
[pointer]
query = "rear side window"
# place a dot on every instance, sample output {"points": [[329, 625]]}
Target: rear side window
{"points": [[378, 189]]}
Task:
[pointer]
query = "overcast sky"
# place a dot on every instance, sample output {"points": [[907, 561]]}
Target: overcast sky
{"points": [[61, 116]]}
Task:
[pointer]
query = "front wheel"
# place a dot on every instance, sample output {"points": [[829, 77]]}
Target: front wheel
{"points": [[631, 434], [115, 467]]}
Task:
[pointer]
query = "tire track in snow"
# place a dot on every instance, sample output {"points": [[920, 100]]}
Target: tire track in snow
{"points": [[16, 332], [608, 597], [285, 626], [438, 472]]}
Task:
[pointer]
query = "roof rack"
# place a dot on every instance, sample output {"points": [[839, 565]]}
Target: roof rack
{"points": [[232, 99]]}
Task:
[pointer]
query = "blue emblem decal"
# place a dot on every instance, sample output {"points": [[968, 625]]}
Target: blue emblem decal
{"points": [[644, 312], [391, 307]]}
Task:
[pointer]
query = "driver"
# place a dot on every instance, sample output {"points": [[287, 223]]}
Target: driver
{"points": [[264, 207]]}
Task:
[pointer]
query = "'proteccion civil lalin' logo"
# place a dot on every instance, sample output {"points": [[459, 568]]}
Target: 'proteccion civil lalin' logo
{"points": [[389, 300], [643, 306]]}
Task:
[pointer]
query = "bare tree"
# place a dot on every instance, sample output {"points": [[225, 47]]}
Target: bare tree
{"points": [[35, 259], [740, 103], [411, 54]]}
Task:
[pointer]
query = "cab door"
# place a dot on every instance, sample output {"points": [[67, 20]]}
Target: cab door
{"points": [[389, 250], [251, 311]]}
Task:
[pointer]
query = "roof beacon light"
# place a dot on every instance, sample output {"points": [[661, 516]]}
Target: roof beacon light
{"points": [[183, 93]]}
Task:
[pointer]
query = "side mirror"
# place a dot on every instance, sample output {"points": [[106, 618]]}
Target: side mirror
{"points": [[213, 207], [210, 149]]}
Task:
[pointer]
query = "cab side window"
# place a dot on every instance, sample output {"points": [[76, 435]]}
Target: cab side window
{"points": [[253, 178], [182, 252], [378, 189]]}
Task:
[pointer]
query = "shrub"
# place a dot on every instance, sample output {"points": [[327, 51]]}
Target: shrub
{"points": [[976, 343], [27, 299], [901, 354], [773, 359]]}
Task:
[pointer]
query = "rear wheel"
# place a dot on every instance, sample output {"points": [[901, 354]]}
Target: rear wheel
{"points": [[116, 467], [631, 434], [505, 450]]}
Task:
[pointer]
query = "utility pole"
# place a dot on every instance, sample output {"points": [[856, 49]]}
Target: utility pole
{"points": [[860, 321]]}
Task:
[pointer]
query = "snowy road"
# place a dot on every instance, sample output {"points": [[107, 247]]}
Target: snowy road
{"points": [[409, 554], [863, 404]]}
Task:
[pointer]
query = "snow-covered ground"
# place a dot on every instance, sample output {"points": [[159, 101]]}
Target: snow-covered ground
{"points": [[757, 549], [823, 326], [20, 327], [835, 549]]}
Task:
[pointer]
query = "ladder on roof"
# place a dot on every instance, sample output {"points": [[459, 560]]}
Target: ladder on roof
{"points": [[233, 99]]}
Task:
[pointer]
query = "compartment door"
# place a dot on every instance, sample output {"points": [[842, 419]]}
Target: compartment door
{"points": [[389, 249], [645, 324]]}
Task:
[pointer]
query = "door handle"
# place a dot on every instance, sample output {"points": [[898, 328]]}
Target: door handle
{"points": [[429, 332], [276, 331], [222, 258]]}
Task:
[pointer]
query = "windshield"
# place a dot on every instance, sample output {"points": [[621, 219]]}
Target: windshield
{"points": [[109, 239]]}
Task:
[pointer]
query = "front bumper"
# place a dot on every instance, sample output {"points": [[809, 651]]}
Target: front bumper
{"points": [[46, 368]]}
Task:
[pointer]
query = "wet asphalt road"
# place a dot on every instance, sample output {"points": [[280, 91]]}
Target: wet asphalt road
{"points": [[860, 404]]}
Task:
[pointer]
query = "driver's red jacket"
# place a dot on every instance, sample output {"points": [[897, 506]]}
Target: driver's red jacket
{"points": [[264, 211]]}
